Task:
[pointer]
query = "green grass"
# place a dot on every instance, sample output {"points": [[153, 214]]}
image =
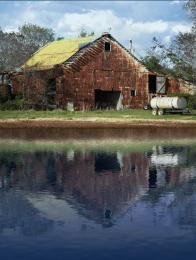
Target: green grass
{"points": [[90, 145], [61, 114]]}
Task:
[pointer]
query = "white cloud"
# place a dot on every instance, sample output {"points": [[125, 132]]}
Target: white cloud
{"points": [[167, 39], [121, 27], [69, 24], [94, 20], [176, 2], [181, 28], [149, 27]]}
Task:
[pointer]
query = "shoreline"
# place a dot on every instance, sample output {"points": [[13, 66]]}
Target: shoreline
{"points": [[89, 123]]}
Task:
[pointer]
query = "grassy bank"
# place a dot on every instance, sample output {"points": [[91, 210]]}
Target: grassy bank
{"points": [[61, 114], [90, 145]]}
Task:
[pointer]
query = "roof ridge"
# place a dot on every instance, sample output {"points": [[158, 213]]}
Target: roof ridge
{"points": [[87, 47]]}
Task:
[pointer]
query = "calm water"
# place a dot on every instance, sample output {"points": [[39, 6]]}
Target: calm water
{"points": [[86, 203]]}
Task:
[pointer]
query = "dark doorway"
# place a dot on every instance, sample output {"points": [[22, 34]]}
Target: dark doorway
{"points": [[152, 84], [51, 94], [107, 99]]}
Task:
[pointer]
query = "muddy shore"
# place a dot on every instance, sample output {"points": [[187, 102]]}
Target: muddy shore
{"points": [[95, 123], [96, 128]]}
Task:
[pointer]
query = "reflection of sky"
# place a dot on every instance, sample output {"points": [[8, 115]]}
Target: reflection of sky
{"points": [[53, 208], [47, 223]]}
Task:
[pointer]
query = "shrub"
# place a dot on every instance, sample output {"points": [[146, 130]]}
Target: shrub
{"points": [[192, 101], [15, 104]]}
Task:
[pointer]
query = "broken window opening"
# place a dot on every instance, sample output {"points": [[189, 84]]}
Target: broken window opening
{"points": [[107, 46], [133, 93], [152, 84]]}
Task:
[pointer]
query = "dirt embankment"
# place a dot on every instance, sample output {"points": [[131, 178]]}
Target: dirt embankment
{"points": [[95, 123]]}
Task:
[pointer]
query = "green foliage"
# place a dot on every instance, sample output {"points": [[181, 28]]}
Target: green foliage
{"points": [[191, 8], [177, 59], [59, 38], [15, 104], [192, 101], [35, 36], [17, 47], [153, 63], [84, 33], [3, 98]]}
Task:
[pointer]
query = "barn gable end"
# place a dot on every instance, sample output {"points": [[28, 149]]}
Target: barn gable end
{"points": [[111, 73]]}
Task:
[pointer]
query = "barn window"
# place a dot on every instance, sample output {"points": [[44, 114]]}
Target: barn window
{"points": [[107, 46], [133, 93]]}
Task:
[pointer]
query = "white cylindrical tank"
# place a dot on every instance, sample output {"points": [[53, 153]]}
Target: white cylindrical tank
{"points": [[168, 102]]}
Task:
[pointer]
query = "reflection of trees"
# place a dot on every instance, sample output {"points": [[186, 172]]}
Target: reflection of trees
{"points": [[175, 197], [174, 202]]}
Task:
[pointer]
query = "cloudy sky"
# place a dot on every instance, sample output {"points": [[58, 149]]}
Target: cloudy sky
{"points": [[136, 20]]}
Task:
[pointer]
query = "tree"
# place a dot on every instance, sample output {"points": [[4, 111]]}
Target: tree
{"points": [[179, 58], [84, 33], [191, 8], [11, 51], [35, 36], [17, 47], [59, 38]]}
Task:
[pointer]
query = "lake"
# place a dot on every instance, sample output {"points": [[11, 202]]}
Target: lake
{"points": [[105, 199]]}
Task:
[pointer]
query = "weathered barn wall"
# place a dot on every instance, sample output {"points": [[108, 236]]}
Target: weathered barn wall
{"points": [[11, 83], [4, 81], [17, 81], [180, 86], [97, 69], [35, 86]]}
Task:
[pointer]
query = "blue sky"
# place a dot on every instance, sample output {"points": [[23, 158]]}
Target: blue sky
{"points": [[136, 20]]}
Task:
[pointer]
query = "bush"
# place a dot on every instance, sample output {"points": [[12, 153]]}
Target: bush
{"points": [[15, 104], [192, 101], [3, 98]]}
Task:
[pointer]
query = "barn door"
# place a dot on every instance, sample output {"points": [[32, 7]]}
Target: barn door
{"points": [[160, 85], [119, 102]]}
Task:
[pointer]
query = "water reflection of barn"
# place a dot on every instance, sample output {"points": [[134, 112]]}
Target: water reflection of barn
{"points": [[92, 182]]}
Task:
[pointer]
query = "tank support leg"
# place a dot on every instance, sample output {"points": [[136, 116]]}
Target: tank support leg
{"points": [[154, 112]]}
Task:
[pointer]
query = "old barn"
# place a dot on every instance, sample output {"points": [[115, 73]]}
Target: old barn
{"points": [[90, 73]]}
